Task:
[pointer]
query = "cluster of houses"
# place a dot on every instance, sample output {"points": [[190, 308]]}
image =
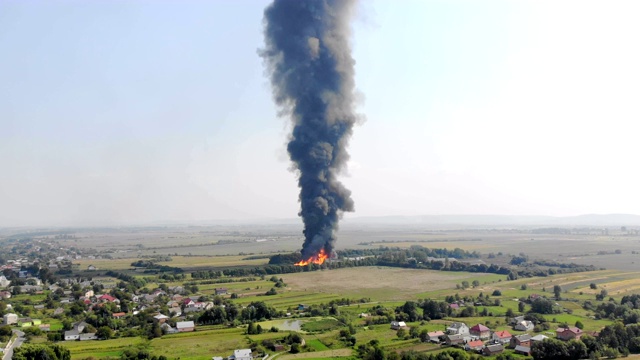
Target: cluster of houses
{"points": [[483, 340]]}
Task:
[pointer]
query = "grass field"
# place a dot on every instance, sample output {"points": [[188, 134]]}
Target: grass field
{"points": [[377, 283]]}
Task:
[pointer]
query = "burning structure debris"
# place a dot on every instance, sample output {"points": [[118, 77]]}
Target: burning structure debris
{"points": [[308, 57]]}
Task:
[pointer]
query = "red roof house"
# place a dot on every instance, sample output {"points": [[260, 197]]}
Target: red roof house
{"points": [[480, 331]]}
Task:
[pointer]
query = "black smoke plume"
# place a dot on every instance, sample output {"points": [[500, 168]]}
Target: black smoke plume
{"points": [[308, 57]]}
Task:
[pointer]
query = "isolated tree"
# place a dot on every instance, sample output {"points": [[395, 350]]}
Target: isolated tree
{"points": [[424, 335], [593, 286], [557, 290], [401, 333], [521, 306]]}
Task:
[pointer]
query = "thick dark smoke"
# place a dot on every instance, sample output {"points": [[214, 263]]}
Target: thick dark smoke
{"points": [[308, 57]]}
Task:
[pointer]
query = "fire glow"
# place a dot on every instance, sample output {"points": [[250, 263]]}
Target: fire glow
{"points": [[317, 259]]}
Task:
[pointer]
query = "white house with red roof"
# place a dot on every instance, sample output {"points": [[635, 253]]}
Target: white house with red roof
{"points": [[503, 337], [474, 345], [188, 302]]}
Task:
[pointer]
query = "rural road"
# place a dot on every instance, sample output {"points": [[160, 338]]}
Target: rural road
{"points": [[8, 354]]}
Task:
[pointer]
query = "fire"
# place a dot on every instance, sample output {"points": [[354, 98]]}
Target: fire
{"points": [[315, 259]]}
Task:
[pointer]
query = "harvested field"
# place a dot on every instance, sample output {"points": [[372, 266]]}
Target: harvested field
{"points": [[379, 283]]}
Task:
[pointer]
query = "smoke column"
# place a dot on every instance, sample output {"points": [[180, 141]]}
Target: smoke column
{"points": [[308, 58]]}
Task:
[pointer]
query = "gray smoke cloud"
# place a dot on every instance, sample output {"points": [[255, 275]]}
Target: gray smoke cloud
{"points": [[308, 57]]}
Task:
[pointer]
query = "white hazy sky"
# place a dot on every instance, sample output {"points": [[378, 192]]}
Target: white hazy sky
{"points": [[121, 112]]}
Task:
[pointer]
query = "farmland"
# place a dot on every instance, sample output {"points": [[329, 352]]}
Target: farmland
{"points": [[353, 291]]}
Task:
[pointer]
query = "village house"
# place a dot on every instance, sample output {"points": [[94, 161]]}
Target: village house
{"points": [[5, 295], [568, 333], [520, 340], [524, 325], [167, 329], [28, 322], [108, 298], [434, 336], [396, 325], [502, 337], [523, 350], [4, 282], [242, 354], [491, 350], [480, 331], [185, 326], [161, 318], [77, 333], [475, 345], [456, 339], [71, 335], [10, 319], [538, 337], [516, 319], [118, 315], [221, 291], [458, 328], [87, 336], [92, 268]]}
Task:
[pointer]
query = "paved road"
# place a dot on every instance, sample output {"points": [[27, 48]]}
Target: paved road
{"points": [[8, 354]]}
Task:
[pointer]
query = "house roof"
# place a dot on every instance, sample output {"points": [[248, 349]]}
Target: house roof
{"points": [[494, 348], [503, 334], [456, 325], [436, 333], [572, 329], [539, 337], [118, 314], [242, 353], [479, 327], [475, 343], [523, 337], [107, 297], [524, 349]]}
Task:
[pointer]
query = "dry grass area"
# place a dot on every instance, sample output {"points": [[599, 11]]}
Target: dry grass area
{"points": [[211, 261], [376, 282]]}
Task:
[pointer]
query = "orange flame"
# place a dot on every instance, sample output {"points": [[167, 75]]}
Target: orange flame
{"points": [[315, 259]]}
